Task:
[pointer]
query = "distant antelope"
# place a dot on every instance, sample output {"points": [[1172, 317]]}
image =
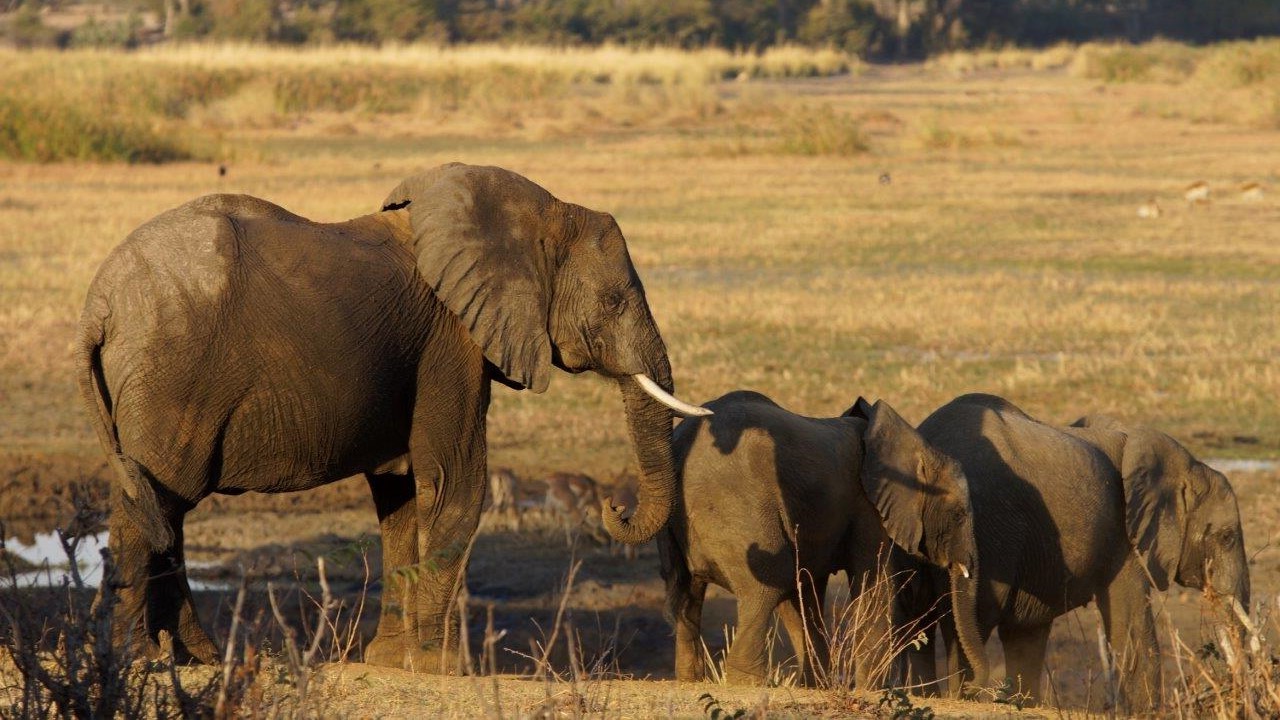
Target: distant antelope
{"points": [[1251, 191], [1197, 193], [576, 499], [504, 494], [1150, 209]]}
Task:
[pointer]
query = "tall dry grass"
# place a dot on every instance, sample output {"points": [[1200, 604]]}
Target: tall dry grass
{"points": [[170, 102], [1232, 83]]}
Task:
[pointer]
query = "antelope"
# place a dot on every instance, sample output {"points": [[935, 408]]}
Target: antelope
{"points": [[575, 498], [1197, 193], [504, 494]]}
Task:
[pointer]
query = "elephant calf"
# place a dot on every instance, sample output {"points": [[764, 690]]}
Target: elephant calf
{"points": [[771, 503], [1098, 511]]}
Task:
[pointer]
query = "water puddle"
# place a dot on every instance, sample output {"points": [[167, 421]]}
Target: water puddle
{"points": [[54, 568], [1228, 466]]}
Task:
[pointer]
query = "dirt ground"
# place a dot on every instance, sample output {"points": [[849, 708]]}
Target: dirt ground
{"points": [[614, 606]]}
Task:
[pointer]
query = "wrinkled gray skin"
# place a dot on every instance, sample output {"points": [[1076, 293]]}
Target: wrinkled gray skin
{"points": [[229, 345], [1058, 513], [763, 489]]}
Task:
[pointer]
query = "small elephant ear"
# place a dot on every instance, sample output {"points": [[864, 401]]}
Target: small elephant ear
{"points": [[1099, 422], [860, 409], [892, 465], [484, 240], [1153, 506]]}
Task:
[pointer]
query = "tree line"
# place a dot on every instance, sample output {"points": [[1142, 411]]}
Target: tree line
{"points": [[874, 29]]}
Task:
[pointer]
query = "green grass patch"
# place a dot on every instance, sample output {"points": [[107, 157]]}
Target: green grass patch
{"points": [[52, 129]]}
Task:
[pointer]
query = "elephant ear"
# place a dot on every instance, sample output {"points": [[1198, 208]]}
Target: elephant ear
{"points": [[1099, 422], [485, 240], [892, 465], [1154, 505], [860, 409]]}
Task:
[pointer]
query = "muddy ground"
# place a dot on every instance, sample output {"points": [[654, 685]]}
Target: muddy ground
{"points": [[614, 607]]}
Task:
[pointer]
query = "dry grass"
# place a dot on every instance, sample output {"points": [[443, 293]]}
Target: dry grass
{"points": [[172, 102], [1010, 260], [1016, 266]]}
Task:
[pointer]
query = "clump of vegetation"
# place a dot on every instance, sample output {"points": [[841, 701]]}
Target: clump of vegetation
{"points": [[47, 129], [821, 130], [1154, 61]]}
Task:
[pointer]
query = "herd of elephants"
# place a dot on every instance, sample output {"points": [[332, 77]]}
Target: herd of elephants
{"points": [[229, 345]]}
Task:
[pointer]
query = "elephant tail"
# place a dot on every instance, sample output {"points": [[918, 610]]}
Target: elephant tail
{"points": [[136, 492]]}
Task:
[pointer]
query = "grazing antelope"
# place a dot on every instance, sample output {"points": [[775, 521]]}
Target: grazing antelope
{"points": [[504, 495], [1150, 209], [1197, 193], [1251, 191], [575, 499]]}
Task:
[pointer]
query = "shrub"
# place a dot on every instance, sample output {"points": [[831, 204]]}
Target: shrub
{"points": [[98, 34], [51, 129], [27, 30], [821, 131]]}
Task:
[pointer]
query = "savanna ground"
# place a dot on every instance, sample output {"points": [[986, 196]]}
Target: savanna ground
{"points": [[814, 232]]}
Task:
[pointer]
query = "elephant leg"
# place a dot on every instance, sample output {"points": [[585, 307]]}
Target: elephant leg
{"points": [[1131, 631], [689, 661], [393, 497], [802, 617], [1024, 649], [748, 662], [170, 606], [131, 583], [447, 446], [874, 640]]}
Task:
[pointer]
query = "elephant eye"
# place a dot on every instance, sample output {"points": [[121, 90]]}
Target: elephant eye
{"points": [[615, 301]]}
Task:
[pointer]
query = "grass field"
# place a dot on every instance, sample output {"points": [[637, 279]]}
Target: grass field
{"points": [[1005, 254]]}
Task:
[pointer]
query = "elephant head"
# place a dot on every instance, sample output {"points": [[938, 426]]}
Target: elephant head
{"points": [[922, 496], [1180, 514], [538, 282]]}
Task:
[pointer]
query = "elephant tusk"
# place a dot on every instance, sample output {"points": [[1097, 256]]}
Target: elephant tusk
{"points": [[680, 407], [963, 570], [1243, 616]]}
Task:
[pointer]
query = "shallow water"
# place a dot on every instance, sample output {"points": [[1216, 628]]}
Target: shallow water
{"points": [[47, 553], [1227, 466]]}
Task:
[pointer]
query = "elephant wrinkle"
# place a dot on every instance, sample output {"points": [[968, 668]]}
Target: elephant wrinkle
{"points": [[772, 503], [229, 345], [1096, 511]]}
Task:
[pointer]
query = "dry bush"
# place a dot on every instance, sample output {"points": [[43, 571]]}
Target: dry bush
{"points": [[57, 657], [821, 130], [1236, 674]]}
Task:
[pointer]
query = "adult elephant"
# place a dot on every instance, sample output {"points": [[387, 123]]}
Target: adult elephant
{"points": [[1097, 511], [771, 503], [229, 345]]}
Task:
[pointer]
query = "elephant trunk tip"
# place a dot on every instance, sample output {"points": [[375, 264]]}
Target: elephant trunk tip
{"points": [[629, 531]]}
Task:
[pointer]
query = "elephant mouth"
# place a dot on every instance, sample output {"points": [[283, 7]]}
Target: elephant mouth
{"points": [[572, 365]]}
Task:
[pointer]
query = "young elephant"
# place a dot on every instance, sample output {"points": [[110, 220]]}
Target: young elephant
{"points": [[770, 500], [1059, 512]]}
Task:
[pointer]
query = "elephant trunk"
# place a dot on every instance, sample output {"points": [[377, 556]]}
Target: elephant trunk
{"points": [[1231, 582], [964, 613], [649, 424]]}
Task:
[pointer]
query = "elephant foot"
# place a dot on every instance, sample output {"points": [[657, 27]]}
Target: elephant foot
{"points": [[194, 646], [386, 651], [693, 674], [739, 676], [390, 651]]}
